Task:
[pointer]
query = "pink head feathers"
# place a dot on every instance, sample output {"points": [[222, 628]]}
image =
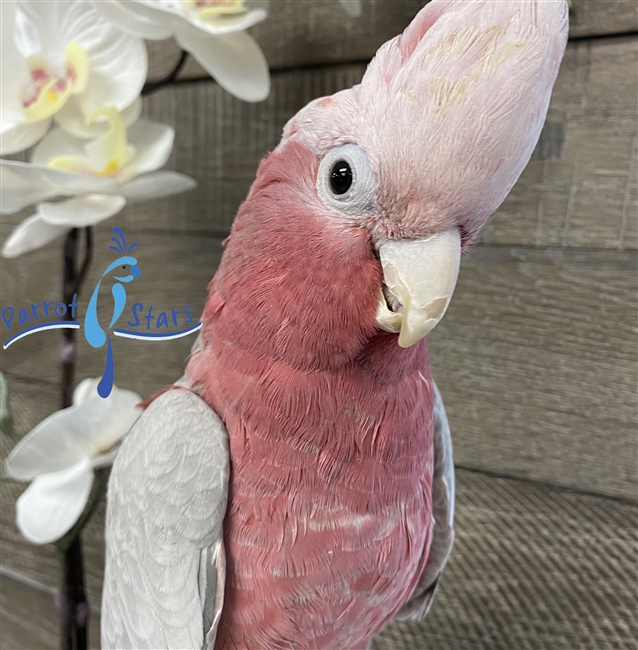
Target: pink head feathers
{"points": [[427, 145], [448, 112]]}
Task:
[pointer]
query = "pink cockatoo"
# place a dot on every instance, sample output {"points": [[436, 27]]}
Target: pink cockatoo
{"points": [[295, 489]]}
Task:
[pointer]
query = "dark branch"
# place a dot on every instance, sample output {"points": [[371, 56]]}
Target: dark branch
{"points": [[67, 347], [88, 257], [73, 606], [152, 86], [70, 257]]}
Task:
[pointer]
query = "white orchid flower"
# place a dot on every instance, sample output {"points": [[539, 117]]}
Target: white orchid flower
{"points": [[59, 457], [211, 30], [65, 60], [101, 177], [352, 7]]}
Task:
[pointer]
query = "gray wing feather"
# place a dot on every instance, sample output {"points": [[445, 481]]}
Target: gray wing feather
{"points": [[443, 517], [165, 562]]}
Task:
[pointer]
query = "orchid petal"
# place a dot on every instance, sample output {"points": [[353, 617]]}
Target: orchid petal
{"points": [[17, 190], [22, 136], [47, 104], [105, 88], [157, 185], [11, 116], [112, 151], [79, 431], [15, 74], [72, 119], [104, 156], [153, 143], [111, 418], [85, 389], [83, 210], [211, 22], [106, 459], [131, 113], [24, 184], [78, 62], [168, 14], [168, 11], [222, 9], [117, 61], [218, 19], [25, 35], [51, 97], [56, 143], [134, 21], [51, 505], [30, 234], [234, 60]]}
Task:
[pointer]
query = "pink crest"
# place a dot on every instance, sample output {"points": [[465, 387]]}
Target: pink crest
{"points": [[450, 111]]}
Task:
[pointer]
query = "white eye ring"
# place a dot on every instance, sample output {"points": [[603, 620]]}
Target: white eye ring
{"points": [[360, 197]]}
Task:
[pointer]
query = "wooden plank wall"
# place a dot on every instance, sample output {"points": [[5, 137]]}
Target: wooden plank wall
{"points": [[537, 357]]}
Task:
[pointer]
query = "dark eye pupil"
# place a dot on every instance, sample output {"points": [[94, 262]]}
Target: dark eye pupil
{"points": [[341, 177], [124, 267]]}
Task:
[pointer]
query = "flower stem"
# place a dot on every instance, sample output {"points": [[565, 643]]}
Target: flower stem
{"points": [[67, 349], [73, 607], [152, 86]]}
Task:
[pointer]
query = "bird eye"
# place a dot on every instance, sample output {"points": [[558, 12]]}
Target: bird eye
{"points": [[341, 177], [345, 182], [124, 266]]}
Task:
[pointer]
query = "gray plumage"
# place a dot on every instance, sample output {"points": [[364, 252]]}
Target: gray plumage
{"points": [[164, 577]]}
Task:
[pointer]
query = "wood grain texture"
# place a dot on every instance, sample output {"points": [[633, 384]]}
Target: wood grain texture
{"points": [[536, 358], [29, 620], [579, 190], [316, 32], [601, 17], [532, 568], [537, 364]]}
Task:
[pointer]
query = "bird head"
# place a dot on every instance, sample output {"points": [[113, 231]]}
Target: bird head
{"points": [[126, 266], [357, 220]]}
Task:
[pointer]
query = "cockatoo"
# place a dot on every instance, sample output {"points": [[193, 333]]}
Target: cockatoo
{"points": [[295, 489]]}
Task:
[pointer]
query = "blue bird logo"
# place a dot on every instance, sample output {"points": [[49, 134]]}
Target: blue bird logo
{"points": [[123, 270]]}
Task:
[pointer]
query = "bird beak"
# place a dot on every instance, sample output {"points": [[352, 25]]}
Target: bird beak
{"points": [[419, 277]]}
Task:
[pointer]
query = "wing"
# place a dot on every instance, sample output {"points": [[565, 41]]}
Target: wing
{"points": [[119, 301], [165, 562], [443, 510], [93, 333]]}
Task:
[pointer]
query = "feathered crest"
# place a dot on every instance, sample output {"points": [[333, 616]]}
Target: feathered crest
{"points": [[470, 82], [120, 243]]}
